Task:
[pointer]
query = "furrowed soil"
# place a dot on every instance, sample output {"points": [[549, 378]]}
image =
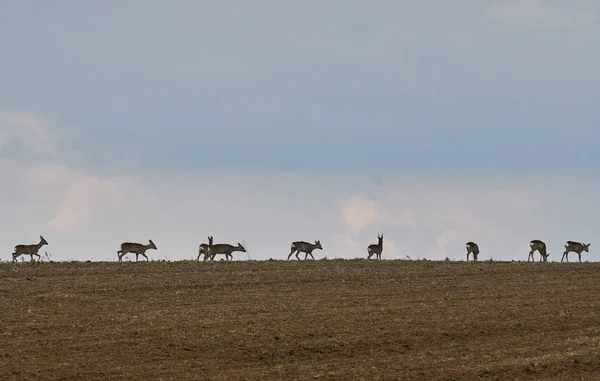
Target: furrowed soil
{"points": [[300, 320]]}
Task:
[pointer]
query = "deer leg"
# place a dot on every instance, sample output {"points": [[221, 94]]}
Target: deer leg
{"points": [[144, 254], [565, 255], [530, 256], [40, 257], [467, 257], [369, 254], [579, 254], [298, 253], [291, 252]]}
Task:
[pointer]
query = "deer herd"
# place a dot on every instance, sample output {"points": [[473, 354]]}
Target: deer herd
{"points": [[210, 249]]}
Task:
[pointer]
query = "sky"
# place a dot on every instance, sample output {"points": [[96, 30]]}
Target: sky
{"points": [[266, 122]]}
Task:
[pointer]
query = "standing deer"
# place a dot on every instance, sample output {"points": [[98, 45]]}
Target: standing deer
{"points": [[223, 248], [577, 247], [472, 248], [31, 250], [376, 248], [540, 246], [203, 249], [135, 248], [304, 247]]}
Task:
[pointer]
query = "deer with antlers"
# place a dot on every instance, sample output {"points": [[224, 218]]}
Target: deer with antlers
{"points": [[376, 248], [223, 248], [304, 247], [472, 248], [135, 248], [576, 247], [539, 246], [30, 250], [203, 248]]}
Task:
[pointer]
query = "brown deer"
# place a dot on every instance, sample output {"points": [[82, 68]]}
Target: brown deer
{"points": [[376, 248], [540, 246], [576, 247], [203, 249], [223, 248], [472, 248], [304, 247], [30, 250], [135, 248]]}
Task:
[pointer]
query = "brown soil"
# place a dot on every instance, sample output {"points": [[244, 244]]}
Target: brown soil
{"points": [[307, 320]]}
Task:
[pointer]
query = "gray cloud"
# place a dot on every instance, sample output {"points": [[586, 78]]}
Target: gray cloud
{"points": [[471, 86]]}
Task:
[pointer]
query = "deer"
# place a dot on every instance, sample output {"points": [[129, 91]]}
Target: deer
{"points": [[472, 248], [135, 248], [30, 250], [304, 247], [203, 248], [376, 248], [540, 246], [223, 248], [576, 247]]}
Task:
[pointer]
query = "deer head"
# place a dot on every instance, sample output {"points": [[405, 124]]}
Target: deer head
{"points": [[318, 245], [242, 248], [43, 241], [210, 239], [380, 237], [586, 247], [152, 245]]}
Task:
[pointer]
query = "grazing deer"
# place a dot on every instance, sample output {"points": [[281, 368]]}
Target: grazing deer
{"points": [[540, 246], [304, 247], [135, 248], [31, 250], [223, 248], [577, 247], [472, 248], [203, 249], [376, 248]]}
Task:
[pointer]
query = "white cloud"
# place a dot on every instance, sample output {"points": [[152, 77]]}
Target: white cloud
{"points": [[87, 217], [28, 130]]}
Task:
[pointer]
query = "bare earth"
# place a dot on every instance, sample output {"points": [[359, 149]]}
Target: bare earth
{"points": [[308, 320]]}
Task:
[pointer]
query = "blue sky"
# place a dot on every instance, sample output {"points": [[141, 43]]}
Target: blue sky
{"points": [[341, 97]]}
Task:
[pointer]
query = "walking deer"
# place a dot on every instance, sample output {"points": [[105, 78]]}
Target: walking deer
{"points": [[576, 247], [472, 248], [223, 248], [540, 246], [30, 250], [304, 247], [203, 249], [376, 248], [135, 248]]}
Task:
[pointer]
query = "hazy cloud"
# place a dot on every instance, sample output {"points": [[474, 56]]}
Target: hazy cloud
{"points": [[268, 122], [24, 134], [85, 214]]}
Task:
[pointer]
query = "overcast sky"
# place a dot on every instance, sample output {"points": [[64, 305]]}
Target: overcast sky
{"points": [[434, 123]]}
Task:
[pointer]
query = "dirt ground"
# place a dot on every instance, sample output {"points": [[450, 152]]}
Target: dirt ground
{"points": [[307, 320]]}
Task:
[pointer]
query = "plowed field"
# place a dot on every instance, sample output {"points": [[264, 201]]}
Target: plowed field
{"points": [[300, 320]]}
